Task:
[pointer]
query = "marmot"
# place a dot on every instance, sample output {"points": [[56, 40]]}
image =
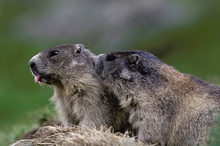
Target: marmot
{"points": [[79, 96], [166, 107]]}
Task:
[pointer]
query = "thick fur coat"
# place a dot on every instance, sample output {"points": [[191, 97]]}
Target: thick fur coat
{"points": [[79, 95], [166, 107]]}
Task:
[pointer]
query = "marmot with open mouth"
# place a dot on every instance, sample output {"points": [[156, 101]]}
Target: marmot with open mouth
{"points": [[79, 95]]}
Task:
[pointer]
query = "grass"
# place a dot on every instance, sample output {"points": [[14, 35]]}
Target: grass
{"points": [[78, 136], [216, 134], [29, 122]]}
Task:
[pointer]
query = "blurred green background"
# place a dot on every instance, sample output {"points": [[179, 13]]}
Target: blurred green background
{"points": [[184, 34]]}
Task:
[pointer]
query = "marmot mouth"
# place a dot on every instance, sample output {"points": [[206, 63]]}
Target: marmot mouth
{"points": [[39, 77]]}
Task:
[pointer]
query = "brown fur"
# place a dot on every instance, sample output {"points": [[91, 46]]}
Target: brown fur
{"points": [[79, 95], [166, 106]]}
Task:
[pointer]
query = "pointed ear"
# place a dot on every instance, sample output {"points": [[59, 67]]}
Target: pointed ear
{"points": [[134, 58], [78, 48]]}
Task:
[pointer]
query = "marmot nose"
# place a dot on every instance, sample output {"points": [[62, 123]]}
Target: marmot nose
{"points": [[32, 64], [33, 60]]}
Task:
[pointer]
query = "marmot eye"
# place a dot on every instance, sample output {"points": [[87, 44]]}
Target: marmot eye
{"points": [[53, 53], [110, 57]]}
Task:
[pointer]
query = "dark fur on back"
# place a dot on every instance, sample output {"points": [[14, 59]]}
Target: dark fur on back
{"points": [[166, 106]]}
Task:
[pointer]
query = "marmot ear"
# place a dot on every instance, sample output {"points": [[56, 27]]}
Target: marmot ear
{"points": [[134, 58], [78, 48]]}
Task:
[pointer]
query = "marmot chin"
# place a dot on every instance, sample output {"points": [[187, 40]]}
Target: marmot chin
{"points": [[166, 107], [79, 95]]}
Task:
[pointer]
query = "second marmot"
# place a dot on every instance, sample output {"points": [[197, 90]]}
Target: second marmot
{"points": [[166, 107]]}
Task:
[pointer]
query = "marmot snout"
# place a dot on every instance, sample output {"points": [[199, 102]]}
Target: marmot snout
{"points": [[50, 66]]}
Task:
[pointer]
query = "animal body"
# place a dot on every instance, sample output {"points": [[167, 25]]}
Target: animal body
{"points": [[79, 95], [166, 107]]}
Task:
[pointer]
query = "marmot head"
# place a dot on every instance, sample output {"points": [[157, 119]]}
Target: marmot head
{"points": [[53, 65], [126, 71]]}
